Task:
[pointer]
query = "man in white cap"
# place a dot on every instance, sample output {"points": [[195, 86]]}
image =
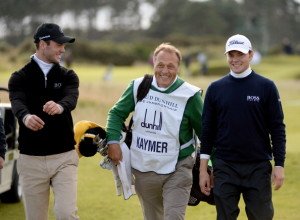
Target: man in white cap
{"points": [[243, 123], [42, 95]]}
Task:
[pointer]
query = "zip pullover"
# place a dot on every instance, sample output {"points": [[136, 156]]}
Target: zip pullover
{"points": [[29, 91]]}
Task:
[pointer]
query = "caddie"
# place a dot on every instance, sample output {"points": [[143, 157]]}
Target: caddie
{"points": [[162, 136]]}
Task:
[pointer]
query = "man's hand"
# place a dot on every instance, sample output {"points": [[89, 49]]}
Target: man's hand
{"points": [[277, 177], [33, 122], [114, 152], [1, 163], [204, 178], [52, 108]]}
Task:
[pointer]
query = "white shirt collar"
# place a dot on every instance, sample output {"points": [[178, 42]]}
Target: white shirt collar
{"points": [[154, 83], [45, 67], [241, 75]]}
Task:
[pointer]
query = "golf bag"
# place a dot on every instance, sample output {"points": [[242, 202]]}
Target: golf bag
{"points": [[196, 195]]}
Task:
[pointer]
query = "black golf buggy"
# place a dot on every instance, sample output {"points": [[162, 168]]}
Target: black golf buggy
{"points": [[10, 191]]}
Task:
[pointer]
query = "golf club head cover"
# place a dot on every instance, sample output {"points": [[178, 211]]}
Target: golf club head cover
{"points": [[87, 135]]}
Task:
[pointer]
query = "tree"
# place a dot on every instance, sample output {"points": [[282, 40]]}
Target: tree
{"points": [[269, 21], [196, 18], [21, 17], [265, 22]]}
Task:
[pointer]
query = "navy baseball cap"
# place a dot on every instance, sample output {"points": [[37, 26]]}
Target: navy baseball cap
{"points": [[50, 31]]}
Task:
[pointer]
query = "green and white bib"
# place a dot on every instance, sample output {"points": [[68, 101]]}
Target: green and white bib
{"points": [[155, 134]]}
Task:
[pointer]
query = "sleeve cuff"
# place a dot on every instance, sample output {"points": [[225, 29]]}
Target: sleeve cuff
{"points": [[113, 142], [61, 109], [24, 118], [204, 156]]}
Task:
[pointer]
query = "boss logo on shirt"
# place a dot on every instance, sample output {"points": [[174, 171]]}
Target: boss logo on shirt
{"points": [[253, 98], [57, 85]]}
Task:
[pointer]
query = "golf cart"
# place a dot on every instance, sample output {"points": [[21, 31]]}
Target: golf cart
{"points": [[10, 191]]}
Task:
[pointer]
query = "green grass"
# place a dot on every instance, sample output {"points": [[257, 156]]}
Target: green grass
{"points": [[97, 199], [96, 193]]}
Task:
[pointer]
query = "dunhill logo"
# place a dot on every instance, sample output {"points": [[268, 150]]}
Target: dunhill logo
{"points": [[153, 125]]}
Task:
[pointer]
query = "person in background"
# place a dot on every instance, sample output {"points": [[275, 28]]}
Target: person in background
{"points": [[68, 58], [42, 95], [162, 136], [243, 123], [2, 143], [287, 46], [203, 63], [187, 59]]}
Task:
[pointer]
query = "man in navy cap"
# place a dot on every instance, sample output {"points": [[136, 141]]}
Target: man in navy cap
{"points": [[43, 94]]}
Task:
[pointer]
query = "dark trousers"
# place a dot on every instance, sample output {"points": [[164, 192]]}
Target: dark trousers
{"points": [[252, 181]]}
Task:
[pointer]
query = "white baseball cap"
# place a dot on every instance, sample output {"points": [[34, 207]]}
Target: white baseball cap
{"points": [[238, 42]]}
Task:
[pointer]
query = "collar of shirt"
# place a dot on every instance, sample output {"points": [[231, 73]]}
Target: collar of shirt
{"points": [[243, 74], [154, 83], [45, 67]]}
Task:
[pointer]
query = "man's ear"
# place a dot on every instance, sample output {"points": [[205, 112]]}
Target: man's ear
{"points": [[251, 53]]}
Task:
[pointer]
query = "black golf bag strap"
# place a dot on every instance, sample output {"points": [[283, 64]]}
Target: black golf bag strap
{"points": [[142, 91]]}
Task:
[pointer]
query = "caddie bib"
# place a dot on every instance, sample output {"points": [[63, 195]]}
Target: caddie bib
{"points": [[156, 123]]}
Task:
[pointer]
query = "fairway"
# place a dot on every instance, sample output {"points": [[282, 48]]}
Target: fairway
{"points": [[97, 198]]}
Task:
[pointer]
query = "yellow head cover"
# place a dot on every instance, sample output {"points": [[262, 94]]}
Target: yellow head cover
{"points": [[80, 130]]}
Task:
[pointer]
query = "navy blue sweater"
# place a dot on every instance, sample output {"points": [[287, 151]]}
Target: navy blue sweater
{"points": [[243, 120]]}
